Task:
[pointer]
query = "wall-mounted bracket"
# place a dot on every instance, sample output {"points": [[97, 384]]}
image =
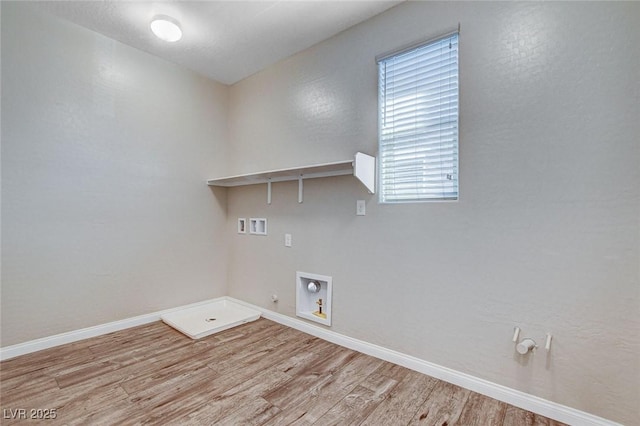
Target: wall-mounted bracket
{"points": [[300, 189], [364, 169], [547, 343], [516, 334]]}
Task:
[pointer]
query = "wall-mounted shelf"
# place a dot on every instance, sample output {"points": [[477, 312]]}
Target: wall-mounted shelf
{"points": [[362, 167]]}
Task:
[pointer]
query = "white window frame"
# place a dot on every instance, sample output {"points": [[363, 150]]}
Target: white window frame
{"points": [[418, 160]]}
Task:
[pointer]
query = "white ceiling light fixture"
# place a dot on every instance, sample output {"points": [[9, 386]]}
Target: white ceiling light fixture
{"points": [[166, 28]]}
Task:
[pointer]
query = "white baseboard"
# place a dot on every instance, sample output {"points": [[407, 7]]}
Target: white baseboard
{"points": [[85, 333], [520, 399]]}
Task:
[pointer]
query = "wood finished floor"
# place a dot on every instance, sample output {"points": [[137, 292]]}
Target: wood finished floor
{"points": [[261, 373]]}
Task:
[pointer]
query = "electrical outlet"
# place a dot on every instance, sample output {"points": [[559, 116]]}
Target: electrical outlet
{"points": [[287, 240]]}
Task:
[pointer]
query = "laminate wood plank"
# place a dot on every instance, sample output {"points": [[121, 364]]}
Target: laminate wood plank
{"points": [[154, 349], [173, 387], [379, 383], [26, 381], [253, 413], [301, 359], [394, 371], [142, 350], [515, 416], [151, 365], [115, 343], [70, 404], [360, 402], [53, 398], [278, 355], [315, 352], [234, 399], [104, 364], [443, 407], [404, 400], [293, 334], [255, 358], [132, 333], [184, 359], [119, 412], [138, 364], [171, 371], [26, 387], [260, 331], [83, 373], [250, 332], [174, 403], [199, 389], [111, 343], [308, 405], [297, 353], [218, 347], [206, 401], [54, 356], [178, 363], [250, 355], [481, 410], [148, 340], [338, 385], [310, 377], [258, 373], [78, 405], [44, 361], [305, 354]]}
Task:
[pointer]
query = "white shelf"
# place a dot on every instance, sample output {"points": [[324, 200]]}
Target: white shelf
{"points": [[362, 166]]}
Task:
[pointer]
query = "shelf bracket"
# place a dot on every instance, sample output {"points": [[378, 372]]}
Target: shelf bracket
{"points": [[269, 191], [300, 189], [364, 169]]}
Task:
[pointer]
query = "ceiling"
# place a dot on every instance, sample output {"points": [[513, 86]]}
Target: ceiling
{"points": [[224, 40]]}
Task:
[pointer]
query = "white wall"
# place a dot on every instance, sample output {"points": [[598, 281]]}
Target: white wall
{"points": [[545, 235], [105, 153]]}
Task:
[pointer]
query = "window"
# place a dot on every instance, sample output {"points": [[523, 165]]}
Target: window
{"points": [[418, 122]]}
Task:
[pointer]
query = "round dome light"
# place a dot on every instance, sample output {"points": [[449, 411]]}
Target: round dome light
{"points": [[166, 28]]}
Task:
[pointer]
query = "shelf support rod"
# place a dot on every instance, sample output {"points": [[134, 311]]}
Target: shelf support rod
{"points": [[300, 189], [269, 191]]}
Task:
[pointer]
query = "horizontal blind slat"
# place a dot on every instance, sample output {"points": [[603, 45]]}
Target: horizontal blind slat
{"points": [[415, 57], [418, 141]]}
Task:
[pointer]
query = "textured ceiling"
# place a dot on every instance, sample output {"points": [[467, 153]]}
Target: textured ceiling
{"points": [[224, 40]]}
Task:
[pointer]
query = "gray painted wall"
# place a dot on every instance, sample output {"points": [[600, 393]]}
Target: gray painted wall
{"points": [[545, 235], [105, 153]]}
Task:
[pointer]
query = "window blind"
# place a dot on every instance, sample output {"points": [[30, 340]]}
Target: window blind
{"points": [[418, 123]]}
